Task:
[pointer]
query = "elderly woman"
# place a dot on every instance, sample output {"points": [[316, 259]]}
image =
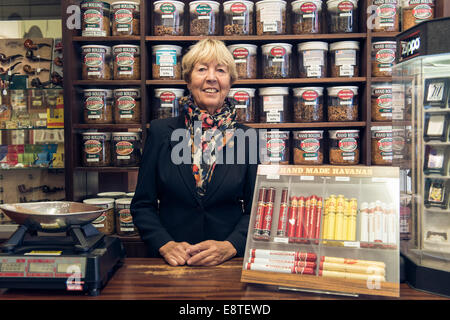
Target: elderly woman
{"points": [[196, 213]]}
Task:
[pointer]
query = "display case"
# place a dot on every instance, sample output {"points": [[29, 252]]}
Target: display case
{"points": [[421, 95], [329, 229]]}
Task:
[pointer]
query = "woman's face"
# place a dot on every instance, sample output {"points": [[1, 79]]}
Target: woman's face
{"points": [[209, 85]]}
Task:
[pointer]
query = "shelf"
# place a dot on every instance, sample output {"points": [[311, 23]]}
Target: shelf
{"points": [[106, 126], [381, 79], [107, 169], [9, 129], [107, 82], [387, 34], [31, 168], [106, 39], [286, 81], [306, 125], [381, 124], [259, 38]]}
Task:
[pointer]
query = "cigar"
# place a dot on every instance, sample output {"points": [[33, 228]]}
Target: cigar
{"points": [[279, 268], [268, 213], [364, 269], [259, 213], [299, 222], [300, 263], [318, 219], [292, 222], [348, 275], [352, 261], [313, 217], [283, 255], [283, 215], [306, 217]]}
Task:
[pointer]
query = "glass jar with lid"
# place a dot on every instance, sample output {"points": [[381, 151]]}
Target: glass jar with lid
{"points": [[343, 103], [243, 100], [96, 149], [270, 17], [308, 104], [313, 58], [344, 59], [168, 17], [245, 56], [127, 105], [126, 149], [342, 16], [276, 60], [238, 17], [344, 147], [274, 104], [306, 16], [166, 62], [166, 104], [97, 106], [204, 18]]}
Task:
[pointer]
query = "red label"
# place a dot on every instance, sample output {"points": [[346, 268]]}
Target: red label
{"points": [[310, 95], [238, 7], [308, 7], [240, 53], [278, 52], [345, 94], [241, 96], [345, 6], [167, 96]]}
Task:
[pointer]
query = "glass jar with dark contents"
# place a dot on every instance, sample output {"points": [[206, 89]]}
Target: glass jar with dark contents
{"points": [[343, 103], [238, 17], [127, 106], [275, 147], [96, 149], [126, 18], [97, 106], [308, 104], [276, 60], [342, 16], [166, 103], [243, 100], [105, 222], [126, 149], [124, 220], [344, 147], [95, 18]]}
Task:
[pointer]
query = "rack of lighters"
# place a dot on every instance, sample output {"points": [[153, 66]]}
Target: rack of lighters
{"points": [[301, 220]]}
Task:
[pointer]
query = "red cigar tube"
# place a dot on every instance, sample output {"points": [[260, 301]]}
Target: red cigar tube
{"points": [[306, 217], [268, 213], [306, 256], [312, 217], [301, 270], [299, 222], [259, 213], [319, 217], [292, 219], [283, 215], [304, 264]]}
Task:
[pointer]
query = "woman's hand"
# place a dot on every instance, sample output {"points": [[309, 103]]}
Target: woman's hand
{"points": [[175, 253], [210, 253]]}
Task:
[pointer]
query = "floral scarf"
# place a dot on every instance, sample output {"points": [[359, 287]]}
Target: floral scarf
{"points": [[223, 121]]}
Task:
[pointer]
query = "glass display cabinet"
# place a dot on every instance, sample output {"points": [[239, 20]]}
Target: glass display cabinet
{"points": [[421, 117]]}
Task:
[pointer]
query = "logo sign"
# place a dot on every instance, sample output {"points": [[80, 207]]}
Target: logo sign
{"points": [[410, 47], [278, 52], [238, 7]]}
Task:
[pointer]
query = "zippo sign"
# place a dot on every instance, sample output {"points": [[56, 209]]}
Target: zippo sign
{"points": [[409, 47]]}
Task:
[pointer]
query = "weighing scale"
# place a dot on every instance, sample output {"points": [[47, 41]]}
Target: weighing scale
{"points": [[81, 260]]}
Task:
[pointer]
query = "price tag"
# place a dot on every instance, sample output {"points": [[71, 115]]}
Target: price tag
{"points": [[306, 178], [273, 177], [351, 244], [342, 179], [281, 240]]}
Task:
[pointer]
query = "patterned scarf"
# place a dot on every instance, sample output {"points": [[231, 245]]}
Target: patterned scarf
{"points": [[200, 125]]}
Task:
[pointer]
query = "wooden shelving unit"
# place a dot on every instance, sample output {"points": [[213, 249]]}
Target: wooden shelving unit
{"points": [[107, 178]]}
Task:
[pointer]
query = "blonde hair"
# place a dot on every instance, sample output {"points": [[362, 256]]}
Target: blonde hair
{"points": [[205, 51]]}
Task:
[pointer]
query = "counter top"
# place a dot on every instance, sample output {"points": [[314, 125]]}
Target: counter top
{"points": [[153, 279]]}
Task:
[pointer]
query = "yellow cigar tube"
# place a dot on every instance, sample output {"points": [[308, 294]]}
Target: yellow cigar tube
{"points": [[331, 223], [339, 224], [325, 224], [354, 276], [364, 269], [346, 222], [352, 261]]}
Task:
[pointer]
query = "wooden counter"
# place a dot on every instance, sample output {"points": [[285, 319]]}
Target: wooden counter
{"points": [[151, 278]]}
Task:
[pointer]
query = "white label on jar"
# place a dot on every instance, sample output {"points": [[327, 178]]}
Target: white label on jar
{"points": [[166, 105], [167, 16], [238, 18], [346, 71], [166, 71], [204, 17], [270, 27], [345, 57], [165, 58], [313, 58], [123, 157], [314, 71], [273, 103], [93, 117], [273, 116], [270, 12], [240, 61], [93, 160]]}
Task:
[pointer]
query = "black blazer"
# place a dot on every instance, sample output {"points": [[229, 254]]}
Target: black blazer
{"points": [[221, 214]]}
